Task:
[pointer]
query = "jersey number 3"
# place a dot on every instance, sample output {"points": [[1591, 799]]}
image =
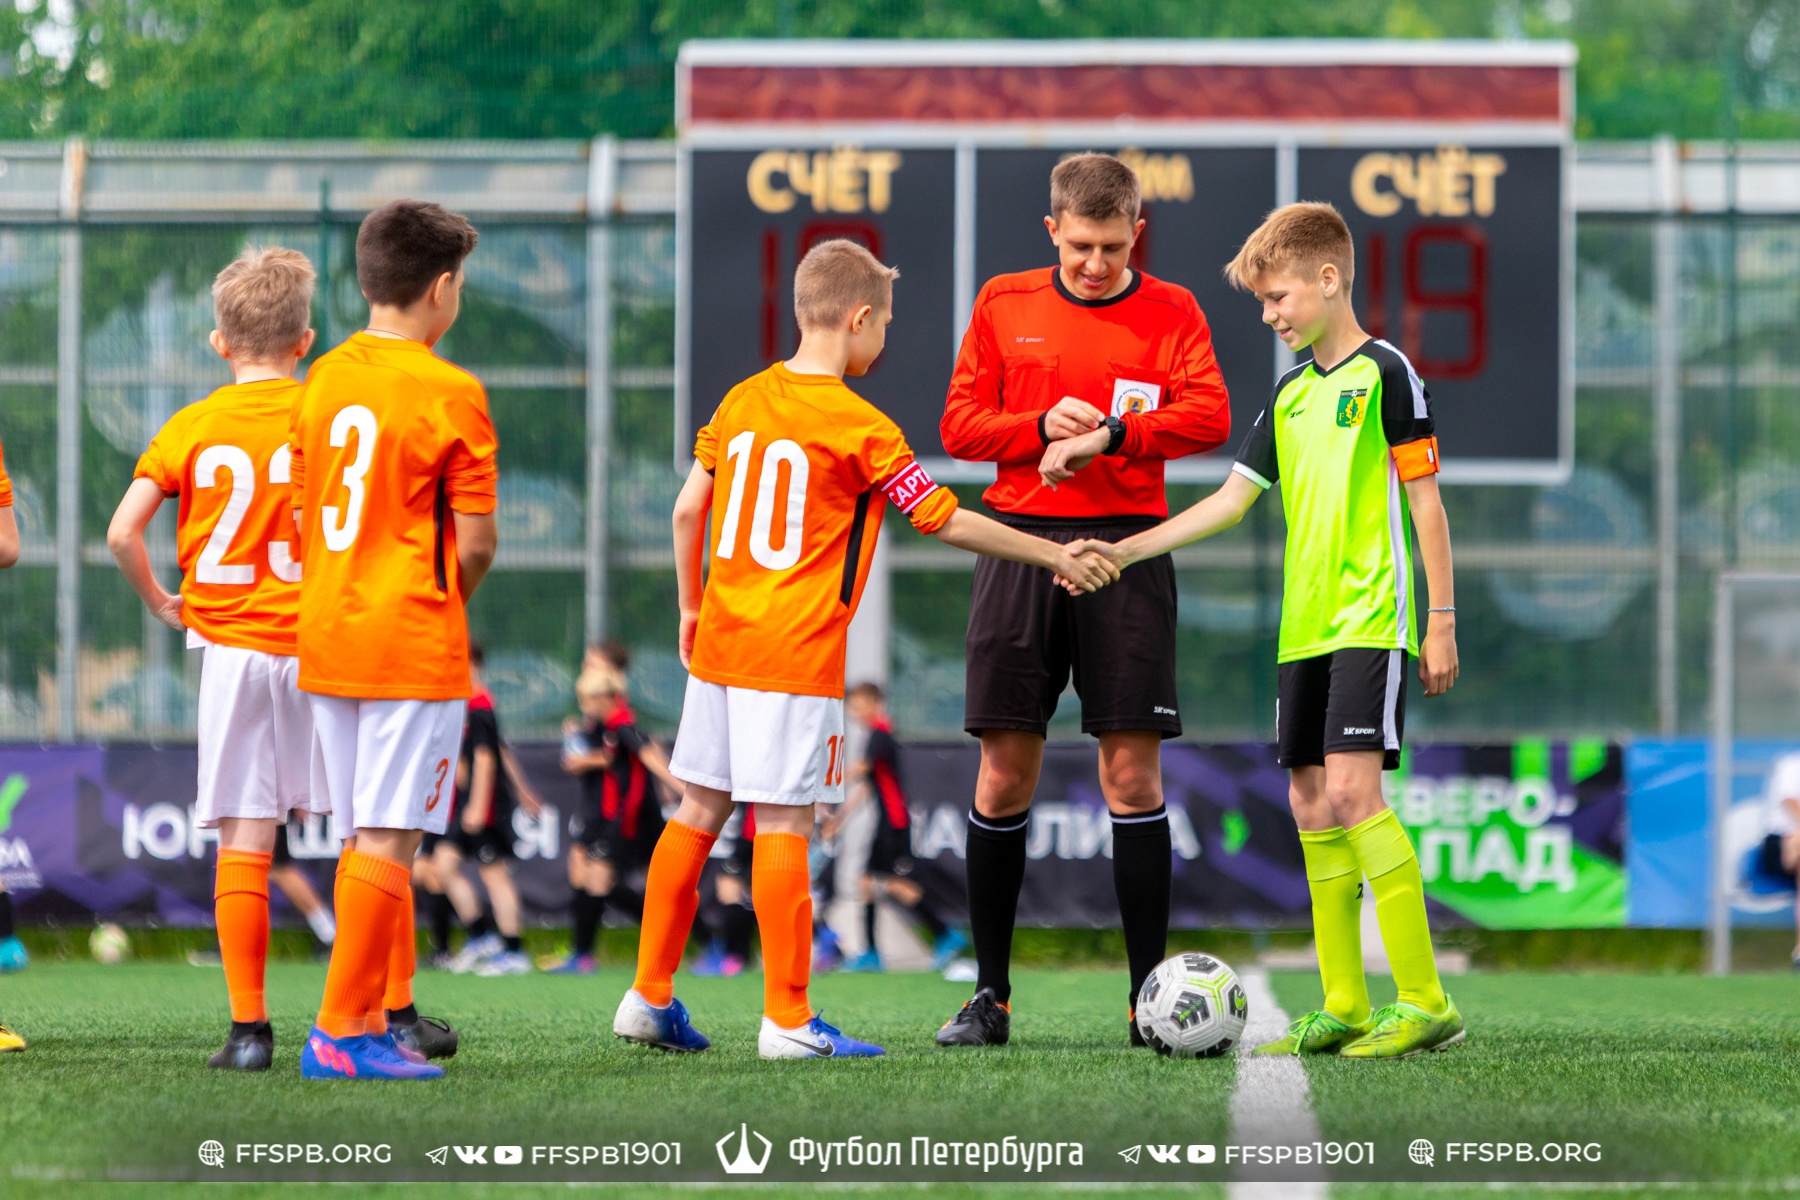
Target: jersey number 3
{"points": [[343, 524], [211, 566], [762, 521]]}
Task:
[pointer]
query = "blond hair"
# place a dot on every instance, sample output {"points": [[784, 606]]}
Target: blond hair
{"points": [[1295, 237], [836, 278], [262, 302], [1096, 186], [599, 681]]}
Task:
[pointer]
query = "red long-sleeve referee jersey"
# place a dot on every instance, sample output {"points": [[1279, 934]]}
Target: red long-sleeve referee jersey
{"points": [[1145, 356]]}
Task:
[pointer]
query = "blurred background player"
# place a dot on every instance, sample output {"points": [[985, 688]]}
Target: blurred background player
{"points": [[12, 951], [1350, 437], [485, 802], [1778, 856], [725, 900], [395, 477], [763, 635], [623, 776], [876, 778], [285, 874], [1133, 358], [226, 459]]}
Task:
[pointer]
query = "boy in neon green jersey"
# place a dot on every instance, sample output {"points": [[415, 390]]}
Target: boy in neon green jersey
{"points": [[1349, 435]]}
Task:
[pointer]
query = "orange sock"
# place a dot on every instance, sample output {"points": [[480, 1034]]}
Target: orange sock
{"points": [[671, 894], [781, 893], [369, 892], [403, 961], [241, 908]]}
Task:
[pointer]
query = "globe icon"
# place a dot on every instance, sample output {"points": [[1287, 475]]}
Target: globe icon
{"points": [[1421, 1152], [212, 1153]]}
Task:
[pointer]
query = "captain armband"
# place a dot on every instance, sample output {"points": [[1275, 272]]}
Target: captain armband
{"points": [[1416, 460]]}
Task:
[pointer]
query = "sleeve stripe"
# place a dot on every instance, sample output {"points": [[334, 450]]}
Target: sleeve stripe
{"points": [[1251, 475], [907, 487]]}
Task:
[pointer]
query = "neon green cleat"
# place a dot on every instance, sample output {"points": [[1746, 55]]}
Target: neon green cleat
{"points": [[1315, 1033], [1402, 1030]]}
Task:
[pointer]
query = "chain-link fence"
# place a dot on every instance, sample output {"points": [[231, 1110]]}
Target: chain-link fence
{"points": [[1584, 608]]}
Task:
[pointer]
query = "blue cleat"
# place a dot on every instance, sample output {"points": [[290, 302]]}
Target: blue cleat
{"points": [[360, 1057], [574, 964], [866, 963], [815, 1039], [13, 956], [665, 1028], [948, 947]]}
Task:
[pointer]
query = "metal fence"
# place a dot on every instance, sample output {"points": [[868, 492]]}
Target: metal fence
{"points": [[1585, 607]]}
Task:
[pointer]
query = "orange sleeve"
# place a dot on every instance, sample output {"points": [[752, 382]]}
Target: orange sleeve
{"points": [[472, 471], [6, 496], [296, 459], [706, 446], [1417, 459], [155, 465], [888, 464]]}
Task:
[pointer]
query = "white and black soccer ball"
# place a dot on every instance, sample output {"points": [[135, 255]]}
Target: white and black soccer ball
{"points": [[108, 943], [1192, 1006]]}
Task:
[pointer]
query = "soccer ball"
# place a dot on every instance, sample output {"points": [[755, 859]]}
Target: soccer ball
{"points": [[108, 943], [1192, 1006]]}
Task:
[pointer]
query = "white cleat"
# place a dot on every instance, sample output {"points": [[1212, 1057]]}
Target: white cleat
{"points": [[815, 1039], [665, 1028]]}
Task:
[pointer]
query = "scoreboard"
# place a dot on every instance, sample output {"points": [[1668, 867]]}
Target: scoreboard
{"points": [[1448, 160]]}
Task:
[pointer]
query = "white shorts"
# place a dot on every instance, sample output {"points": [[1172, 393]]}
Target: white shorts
{"points": [[762, 747], [255, 734], [385, 764]]}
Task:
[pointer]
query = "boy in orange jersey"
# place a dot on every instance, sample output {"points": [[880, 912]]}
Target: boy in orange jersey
{"points": [[394, 480], [226, 459], [796, 469], [12, 951]]}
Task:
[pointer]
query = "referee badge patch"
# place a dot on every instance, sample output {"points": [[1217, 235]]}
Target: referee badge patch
{"points": [[1131, 396]]}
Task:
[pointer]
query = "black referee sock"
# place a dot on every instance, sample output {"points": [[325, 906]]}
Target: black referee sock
{"points": [[6, 917], [587, 909], [996, 869], [738, 923], [1141, 877]]}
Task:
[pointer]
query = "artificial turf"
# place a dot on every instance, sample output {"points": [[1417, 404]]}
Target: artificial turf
{"points": [[1678, 1078]]}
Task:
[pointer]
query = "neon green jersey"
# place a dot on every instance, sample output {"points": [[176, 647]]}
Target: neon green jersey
{"points": [[1328, 437]]}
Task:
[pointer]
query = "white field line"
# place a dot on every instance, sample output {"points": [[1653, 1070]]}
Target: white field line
{"points": [[1269, 1106]]}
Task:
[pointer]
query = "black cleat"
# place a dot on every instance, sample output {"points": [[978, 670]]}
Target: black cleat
{"points": [[430, 1036], [983, 1021], [251, 1047], [1137, 1035]]}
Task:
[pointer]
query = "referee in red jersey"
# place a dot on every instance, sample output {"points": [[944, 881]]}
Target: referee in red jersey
{"points": [[1079, 381]]}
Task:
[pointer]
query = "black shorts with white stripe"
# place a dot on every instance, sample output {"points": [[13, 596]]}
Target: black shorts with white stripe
{"points": [[1347, 700]]}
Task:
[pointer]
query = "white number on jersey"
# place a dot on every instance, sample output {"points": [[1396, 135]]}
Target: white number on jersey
{"points": [[762, 520], [211, 567], [342, 527]]}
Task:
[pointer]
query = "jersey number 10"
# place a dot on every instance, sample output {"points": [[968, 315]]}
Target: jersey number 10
{"points": [[762, 521]]}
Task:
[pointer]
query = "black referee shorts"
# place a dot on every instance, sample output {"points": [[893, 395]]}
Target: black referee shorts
{"points": [[1027, 636]]}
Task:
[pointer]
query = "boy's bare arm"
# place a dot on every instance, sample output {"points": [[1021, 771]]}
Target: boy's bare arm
{"points": [[9, 537], [477, 537], [691, 507], [971, 531], [481, 789], [1437, 652], [1215, 514], [125, 538]]}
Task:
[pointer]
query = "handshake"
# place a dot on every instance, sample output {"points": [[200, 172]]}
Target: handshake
{"points": [[1087, 564]]}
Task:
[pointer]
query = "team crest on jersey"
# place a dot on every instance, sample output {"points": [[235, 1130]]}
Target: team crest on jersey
{"points": [[1351, 404], [1130, 396]]}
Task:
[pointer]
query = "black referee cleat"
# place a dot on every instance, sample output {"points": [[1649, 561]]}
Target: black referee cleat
{"points": [[1137, 1035], [430, 1036], [251, 1047], [983, 1021]]}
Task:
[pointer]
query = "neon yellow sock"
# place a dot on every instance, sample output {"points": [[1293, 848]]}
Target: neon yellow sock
{"points": [[1387, 858], [1335, 878]]}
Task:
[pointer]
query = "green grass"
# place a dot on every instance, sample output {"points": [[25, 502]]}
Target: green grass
{"points": [[1679, 1078]]}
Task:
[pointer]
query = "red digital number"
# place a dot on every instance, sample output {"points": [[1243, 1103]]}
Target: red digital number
{"points": [[1417, 300], [773, 274]]}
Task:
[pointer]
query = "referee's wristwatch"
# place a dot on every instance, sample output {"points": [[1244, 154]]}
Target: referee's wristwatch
{"points": [[1115, 431]]}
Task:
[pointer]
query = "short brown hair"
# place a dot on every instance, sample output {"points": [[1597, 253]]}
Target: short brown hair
{"points": [[836, 278], [871, 690], [262, 302], [406, 244], [1096, 186], [1295, 237]]}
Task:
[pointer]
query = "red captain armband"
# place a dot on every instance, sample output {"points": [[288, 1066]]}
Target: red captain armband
{"points": [[908, 487], [1417, 459]]}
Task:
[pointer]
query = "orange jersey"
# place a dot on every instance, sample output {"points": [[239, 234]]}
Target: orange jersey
{"points": [[5, 482], [226, 459], [802, 470], [388, 439]]}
